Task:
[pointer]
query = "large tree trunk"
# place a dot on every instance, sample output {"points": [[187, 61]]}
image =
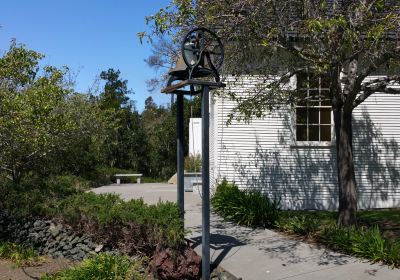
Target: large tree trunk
{"points": [[345, 167]]}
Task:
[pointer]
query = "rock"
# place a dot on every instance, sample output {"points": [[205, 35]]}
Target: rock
{"points": [[98, 248], [34, 237], [67, 247], [75, 240], [55, 230], [38, 224]]}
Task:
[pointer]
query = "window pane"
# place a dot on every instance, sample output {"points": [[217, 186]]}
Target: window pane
{"points": [[324, 81], [301, 115], [301, 133], [314, 81], [313, 97], [300, 95], [313, 117], [313, 133], [325, 116], [326, 133]]}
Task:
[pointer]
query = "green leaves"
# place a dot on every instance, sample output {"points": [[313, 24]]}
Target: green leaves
{"points": [[245, 207]]}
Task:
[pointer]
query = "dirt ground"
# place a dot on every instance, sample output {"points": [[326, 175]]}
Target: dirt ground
{"points": [[8, 270]]}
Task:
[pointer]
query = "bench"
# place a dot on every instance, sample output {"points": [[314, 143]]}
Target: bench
{"points": [[118, 177]]}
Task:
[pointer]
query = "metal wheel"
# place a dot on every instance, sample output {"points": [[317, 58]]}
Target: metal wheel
{"points": [[202, 47]]}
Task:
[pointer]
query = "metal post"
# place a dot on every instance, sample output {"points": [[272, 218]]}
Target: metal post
{"points": [[205, 181], [180, 155]]}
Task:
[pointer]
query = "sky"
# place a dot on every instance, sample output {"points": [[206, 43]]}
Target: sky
{"points": [[88, 36]]}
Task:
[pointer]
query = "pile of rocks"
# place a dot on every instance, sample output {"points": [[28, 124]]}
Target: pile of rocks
{"points": [[47, 237]]}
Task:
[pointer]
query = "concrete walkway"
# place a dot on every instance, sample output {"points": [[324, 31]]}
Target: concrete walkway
{"points": [[258, 254]]}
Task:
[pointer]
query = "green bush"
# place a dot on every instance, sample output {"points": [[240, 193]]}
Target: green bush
{"points": [[368, 243], [19, 254], [249, 207], [107, 213], [102, 267], [39, 197], [298, 224]]}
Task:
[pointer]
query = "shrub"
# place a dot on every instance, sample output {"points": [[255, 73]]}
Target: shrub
{"points": [[102, 266], [193, 163], [19, 254], [39, 197], [249, 208], [367, 243], [108, 216], [298, 224]]}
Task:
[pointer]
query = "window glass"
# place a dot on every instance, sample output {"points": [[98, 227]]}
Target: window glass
{"points": [[326, 133], [301, 133], [313, 133], [313, 115], [301, 115], [313, 109], [325, 115]]}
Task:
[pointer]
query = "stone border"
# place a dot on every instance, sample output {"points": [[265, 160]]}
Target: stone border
{"points": [[48, 238]]}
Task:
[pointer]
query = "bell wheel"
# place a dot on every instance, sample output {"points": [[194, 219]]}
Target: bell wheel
{"points": [[201, 47]]}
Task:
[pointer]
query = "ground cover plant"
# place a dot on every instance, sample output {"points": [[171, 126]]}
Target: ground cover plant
{"points": [[19, 254], [102, 266], [245, 207], [140, 227], [377, 237]]}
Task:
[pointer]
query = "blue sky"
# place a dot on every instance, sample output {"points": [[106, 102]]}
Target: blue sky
{"points": [[86, 35]]}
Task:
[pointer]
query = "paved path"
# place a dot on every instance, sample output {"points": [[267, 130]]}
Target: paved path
{"points": [[259, 254]]}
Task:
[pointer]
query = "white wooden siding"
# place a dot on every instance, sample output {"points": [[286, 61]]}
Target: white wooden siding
{"points": [[261, 154]]}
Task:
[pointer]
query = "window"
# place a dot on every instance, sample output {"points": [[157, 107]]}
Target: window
{"points": [[313, 111]]}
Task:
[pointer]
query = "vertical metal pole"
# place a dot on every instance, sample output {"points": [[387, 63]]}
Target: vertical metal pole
{"points": [[180, 155], [205, 181]]}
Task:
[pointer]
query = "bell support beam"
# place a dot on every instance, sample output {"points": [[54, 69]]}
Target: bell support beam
{"points": [[180, 140], [205, 182]]}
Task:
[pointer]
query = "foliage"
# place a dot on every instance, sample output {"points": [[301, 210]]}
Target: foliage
{"points": [[298, 224], [102, 267], [193, 163], [35, 196], [250, 208], [159, 124], [31, 122], [346, 41], [19, 254], [108, 214], [367, 243]]}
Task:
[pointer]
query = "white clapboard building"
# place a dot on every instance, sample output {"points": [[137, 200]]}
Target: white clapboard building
{"points": [[295, 161]]}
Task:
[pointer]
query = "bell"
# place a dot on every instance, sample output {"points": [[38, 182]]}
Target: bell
{"points": [[181, 71]]}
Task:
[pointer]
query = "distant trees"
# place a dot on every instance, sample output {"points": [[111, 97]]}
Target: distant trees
{"points": [[47, 128], [37, 118]]}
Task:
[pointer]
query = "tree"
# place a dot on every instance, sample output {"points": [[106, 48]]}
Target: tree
{"points": [[31, 126], [43, 124], [125, 141], [344, 40]]}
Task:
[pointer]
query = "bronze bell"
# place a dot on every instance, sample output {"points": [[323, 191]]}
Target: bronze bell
{"points": [[181, 71]]}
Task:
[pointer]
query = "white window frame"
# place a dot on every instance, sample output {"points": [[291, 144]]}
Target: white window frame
{"points": [[322, 144]]}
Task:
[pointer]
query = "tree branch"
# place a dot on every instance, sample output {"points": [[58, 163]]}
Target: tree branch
{"points": [[383, 84]]}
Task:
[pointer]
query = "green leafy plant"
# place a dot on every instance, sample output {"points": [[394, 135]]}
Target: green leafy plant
{"points": [[102, 267], [245, 207], [19, 254], [363, 242], [298, 224], [151, 224]]}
